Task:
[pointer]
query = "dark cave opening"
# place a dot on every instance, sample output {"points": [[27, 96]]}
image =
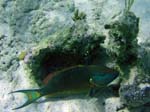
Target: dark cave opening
{"points": [[47, 63], [57, 61]]}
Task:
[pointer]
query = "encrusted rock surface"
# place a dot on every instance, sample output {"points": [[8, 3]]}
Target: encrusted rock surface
{"points": [[136, 90], [33, 26]]}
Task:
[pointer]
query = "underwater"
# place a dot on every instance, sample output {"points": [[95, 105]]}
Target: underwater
{"points": [[74, 56]]}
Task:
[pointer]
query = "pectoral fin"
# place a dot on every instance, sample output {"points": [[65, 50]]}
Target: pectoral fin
{"points": [[93, 92]]}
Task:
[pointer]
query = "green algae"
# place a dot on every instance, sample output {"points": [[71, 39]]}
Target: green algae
{"points": [[22, 55], [128, 5], [78, 15]]}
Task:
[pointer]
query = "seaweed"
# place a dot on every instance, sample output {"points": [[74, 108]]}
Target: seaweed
{"points": [[128, 5], [78, 15]]}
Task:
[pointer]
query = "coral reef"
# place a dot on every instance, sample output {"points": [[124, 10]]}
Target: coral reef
{"points": [[61, 33], [33, 20], [136, 93], [9, 55], [122, 43], [71, 46], [122, 46]]}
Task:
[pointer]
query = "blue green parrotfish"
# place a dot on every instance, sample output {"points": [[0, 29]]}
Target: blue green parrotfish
{"points": [[79, 79]]}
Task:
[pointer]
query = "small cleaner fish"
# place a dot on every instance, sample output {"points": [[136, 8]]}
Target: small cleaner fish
{"points": [[79, 79]]}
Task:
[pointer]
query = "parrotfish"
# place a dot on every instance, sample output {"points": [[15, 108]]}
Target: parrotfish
{"points": [[79, 79]]}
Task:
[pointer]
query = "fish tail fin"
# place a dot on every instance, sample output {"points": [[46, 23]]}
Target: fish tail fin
{"points": [[32, 96]]}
